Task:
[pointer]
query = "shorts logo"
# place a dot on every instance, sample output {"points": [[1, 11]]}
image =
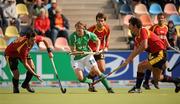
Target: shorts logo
{"points": [[113, 62]]}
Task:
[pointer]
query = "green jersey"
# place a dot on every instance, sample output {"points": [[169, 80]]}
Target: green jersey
{"points": [[81, 43]]}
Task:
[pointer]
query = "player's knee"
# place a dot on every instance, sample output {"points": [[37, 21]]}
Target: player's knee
{"points": [[102, 69], [80, 79]]}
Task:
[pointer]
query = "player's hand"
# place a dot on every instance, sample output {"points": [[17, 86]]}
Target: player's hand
{"points": [[50, 54], [125, 63], [38, 77], [105, 49]]}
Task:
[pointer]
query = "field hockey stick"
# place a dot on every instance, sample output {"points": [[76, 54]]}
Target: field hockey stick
{"points": [[118, 68], [82, 52], [170, 70], [174, 49], [39, 79], [63, 90]]}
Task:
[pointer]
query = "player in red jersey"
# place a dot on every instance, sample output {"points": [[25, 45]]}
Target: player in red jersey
{"points": [[146, 40], [19, 50], [160, 30], [102, 31]]}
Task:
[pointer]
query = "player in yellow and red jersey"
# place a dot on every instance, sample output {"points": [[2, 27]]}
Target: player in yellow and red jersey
{"points": [[19, 50], [102, 31], [160, 30], [145, 40]]}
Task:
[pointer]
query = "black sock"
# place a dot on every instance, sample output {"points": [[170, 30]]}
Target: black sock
{"points": [[139, 79], [28, 78], [15, 82], [147, 76]]}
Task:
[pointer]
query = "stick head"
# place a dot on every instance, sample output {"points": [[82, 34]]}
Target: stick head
{"points": [[63, 90], [169, 70]]}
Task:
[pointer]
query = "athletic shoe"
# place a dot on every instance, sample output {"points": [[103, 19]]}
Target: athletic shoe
{"points": [[28, 88], [91, 88], [156, 85], [135, 90], [146, 86], [177, 84], [177, 89], [110, 90], [15, 90]]}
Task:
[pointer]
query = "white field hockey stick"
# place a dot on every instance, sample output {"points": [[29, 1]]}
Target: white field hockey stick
{"points": [[63, 90], [174, 49], [170, 70]]}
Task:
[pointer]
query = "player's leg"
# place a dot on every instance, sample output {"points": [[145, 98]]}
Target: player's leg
{"points": [[146, 79], [13, 63], [15, 81], [158, 61], [142, 66], [162, 65], [104, 81], [157, 75], [79, 66], [101, 62], [29, 76], [94, 67], [80, 76], [101, 65]]}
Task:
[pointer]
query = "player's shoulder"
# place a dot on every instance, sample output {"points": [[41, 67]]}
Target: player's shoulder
{"points": [[165, 26], [144, 30], [155, 26], [88, 32], [72, 35], [92, 27], [106, 26]]}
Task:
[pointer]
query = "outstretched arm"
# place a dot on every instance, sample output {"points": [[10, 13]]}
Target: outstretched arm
{"points": [[143, 45], [48, 48], [30, 68]]}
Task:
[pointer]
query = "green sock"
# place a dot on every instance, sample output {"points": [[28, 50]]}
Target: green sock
{"points": [[104, 82], [86, 80]]}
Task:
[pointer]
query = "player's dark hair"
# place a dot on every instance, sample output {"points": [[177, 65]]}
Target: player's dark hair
{"points": [[30, 33], [101, 15], [161, 14], [135, 22], [80, 23]]}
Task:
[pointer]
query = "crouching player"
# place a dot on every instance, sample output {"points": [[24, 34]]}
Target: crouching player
{"points": [[19, 51], [78, 41], [146, 40]]}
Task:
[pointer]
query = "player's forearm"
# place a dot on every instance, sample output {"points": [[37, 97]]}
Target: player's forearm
{"points": [[98, 44], [133, 54], [107, 41], [137, 51], [167, 43], [30, 69]]}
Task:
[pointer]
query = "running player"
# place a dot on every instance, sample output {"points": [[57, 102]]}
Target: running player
{"points": [[78, 41], [102, 31], [160, 30], [19, 51], [146, 40]]}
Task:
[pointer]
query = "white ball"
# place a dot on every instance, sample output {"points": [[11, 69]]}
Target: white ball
{"points": [[63, 49]]}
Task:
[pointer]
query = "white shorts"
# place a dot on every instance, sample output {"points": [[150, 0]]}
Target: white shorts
{"points": [[86, 62]]}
